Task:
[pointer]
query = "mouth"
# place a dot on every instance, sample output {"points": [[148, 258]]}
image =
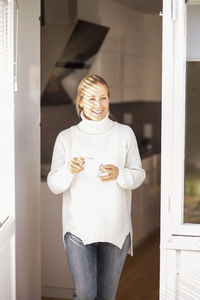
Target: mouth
{"points": [[97, 112]]}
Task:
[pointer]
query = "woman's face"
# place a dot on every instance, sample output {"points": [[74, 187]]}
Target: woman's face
{"points": [[95, 102]]}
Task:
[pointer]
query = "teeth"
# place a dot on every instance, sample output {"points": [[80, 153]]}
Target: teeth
{"points": [[97, 112]]}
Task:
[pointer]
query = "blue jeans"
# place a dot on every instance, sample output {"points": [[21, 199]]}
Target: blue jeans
{"points": [[95, 268]]}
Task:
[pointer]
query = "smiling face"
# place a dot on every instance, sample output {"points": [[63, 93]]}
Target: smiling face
{"points": [[95, 102]]}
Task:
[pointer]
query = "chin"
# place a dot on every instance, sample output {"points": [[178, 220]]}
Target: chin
{"points": [[99, 117]]}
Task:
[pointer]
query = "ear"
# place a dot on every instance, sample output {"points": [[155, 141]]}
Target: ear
{"points": [[80, 103]]}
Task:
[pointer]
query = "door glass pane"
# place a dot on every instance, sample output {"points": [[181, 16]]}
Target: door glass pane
{"points": [[192, 125]]}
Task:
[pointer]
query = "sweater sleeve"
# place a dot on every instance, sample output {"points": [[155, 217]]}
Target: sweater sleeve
{"points": [[132, 175], [59, 178]]}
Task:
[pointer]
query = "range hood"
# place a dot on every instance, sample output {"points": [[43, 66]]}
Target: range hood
{"points": [[67, 54]]}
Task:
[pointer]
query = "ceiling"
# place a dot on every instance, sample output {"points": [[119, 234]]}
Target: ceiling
{"points": [[146, 6]]}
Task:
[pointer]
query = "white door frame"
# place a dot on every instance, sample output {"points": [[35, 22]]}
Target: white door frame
{"points": [[176, 236]]}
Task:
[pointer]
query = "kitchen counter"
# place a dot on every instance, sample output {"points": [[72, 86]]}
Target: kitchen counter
{"points": [[148, 153]]}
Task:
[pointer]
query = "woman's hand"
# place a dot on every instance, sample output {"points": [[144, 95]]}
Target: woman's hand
{"points": [[111, 172], [75, 165]]}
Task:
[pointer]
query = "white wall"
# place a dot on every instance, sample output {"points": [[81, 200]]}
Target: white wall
{"points": [[27, 153], [152, 72], [122, 52], [88, 10], [130, 57], [193, 27]]}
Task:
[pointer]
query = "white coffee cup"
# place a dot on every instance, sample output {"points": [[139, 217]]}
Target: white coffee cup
{"points": [[92, 166]]}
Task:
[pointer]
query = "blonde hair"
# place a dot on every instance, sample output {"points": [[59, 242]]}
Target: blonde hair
{"points": [[86, 83]]}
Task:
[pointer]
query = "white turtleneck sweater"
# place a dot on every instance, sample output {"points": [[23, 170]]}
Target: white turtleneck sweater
{"points": [[93, 210]]}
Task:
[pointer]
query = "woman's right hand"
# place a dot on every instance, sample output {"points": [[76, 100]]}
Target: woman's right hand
{"points": [[76, 165]]}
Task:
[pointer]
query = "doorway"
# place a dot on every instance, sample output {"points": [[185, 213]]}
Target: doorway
{"points": [[129, 58]]}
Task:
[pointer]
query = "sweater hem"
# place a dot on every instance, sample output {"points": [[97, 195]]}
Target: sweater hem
{"points": [[102, 236]]}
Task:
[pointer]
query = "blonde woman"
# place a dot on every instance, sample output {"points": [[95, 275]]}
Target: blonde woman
{"points": [[96, 164]]}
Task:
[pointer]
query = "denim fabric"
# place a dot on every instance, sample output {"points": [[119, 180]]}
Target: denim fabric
{"points": [[95, 268]]}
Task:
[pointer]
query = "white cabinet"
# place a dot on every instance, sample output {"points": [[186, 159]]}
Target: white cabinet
{"points": [[56, 279], [130, 57], [146, 201]]}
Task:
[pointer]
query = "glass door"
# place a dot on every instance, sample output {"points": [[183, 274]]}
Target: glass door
{"points": [[185, 193], [192, 122]]}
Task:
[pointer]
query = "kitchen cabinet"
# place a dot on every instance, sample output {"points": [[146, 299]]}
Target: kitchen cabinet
{"points": [[56, 279], [146, 201]]}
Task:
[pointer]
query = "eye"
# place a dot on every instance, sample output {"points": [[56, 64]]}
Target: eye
{"points": [[103, 98], [91, 99]]}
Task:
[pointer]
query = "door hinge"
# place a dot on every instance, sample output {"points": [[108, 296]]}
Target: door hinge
{"points": [[169, 207]]}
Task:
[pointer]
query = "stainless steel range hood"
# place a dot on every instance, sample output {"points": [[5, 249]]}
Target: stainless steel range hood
{"points": [[67, 54]]}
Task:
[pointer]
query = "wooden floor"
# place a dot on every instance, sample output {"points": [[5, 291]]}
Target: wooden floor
{"points": [[140, 276]]}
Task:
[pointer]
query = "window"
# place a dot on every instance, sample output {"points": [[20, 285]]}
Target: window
{"points": [[185, 196], [192, 126]]}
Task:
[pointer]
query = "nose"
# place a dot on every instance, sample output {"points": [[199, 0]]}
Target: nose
{"points": [[97, 103]]}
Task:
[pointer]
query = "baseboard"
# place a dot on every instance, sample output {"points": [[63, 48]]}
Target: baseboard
{"points": [[57, 292]]}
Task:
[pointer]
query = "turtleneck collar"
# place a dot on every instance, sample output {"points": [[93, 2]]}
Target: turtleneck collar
{"points": [[95, 127]]}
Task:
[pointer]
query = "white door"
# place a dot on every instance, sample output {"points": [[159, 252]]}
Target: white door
{"points": [[180, 164], [7, 215]]}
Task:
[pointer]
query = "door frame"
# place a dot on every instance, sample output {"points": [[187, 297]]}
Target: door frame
{"points": [[174, 234]]}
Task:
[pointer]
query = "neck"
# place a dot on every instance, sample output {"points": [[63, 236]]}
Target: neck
{"points": [[95, 127]]}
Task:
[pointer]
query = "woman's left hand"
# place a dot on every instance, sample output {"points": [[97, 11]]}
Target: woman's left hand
{"points": [[112, 171]]}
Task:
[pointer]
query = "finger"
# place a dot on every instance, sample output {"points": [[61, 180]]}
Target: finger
{"points": [[77, 160], [106, 177], [82, 160], [104, 174], [75, 166], [75, 170], [108, 167]]}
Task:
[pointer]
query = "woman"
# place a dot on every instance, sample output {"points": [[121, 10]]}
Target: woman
{"points": [[96, 164]]}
